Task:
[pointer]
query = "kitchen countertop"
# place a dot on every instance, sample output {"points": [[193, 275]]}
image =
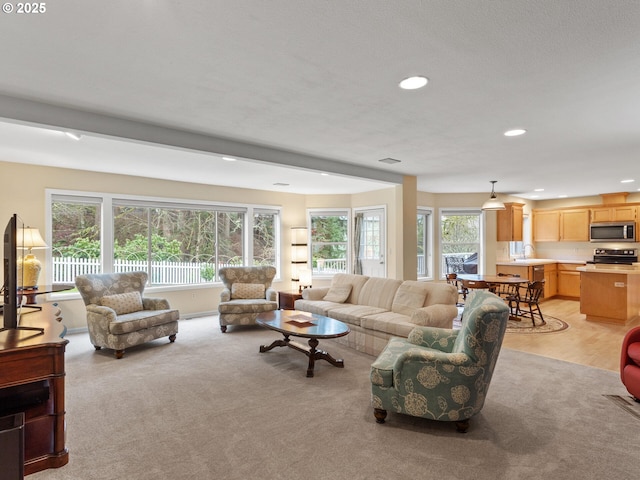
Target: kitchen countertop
{"points": [[606, 268], [538, 261]]}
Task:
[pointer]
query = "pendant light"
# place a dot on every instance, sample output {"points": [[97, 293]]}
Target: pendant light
{"points": [[493, 203]]}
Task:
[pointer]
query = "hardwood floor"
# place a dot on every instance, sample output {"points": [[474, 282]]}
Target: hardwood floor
{"points": [[584, 342]]}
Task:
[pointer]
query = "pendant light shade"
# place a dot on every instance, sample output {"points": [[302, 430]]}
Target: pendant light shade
{"points": [[493, 203]]}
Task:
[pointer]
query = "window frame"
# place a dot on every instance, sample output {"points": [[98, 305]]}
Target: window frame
{"points": [[106, 202], [472, 211], [428, 243], [349, 251]]}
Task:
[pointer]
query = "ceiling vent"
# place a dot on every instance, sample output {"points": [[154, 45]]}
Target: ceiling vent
{"points": [[389, 161]]}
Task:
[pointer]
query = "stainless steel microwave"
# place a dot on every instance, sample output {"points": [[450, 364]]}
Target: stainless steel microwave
{"points": [[612, 232]]}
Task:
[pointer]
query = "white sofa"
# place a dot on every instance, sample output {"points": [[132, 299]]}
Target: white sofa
{"points": [[378, 308]]}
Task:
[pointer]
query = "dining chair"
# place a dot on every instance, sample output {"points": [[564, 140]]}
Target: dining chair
{"points": [[531, 299], [452, 279], [507, 290]]}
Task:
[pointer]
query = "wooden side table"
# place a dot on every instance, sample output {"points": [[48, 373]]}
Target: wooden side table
{"points": [[286, 300]]}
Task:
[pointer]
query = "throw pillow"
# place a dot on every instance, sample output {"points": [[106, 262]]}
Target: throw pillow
{"points": [[247, 290], [123, 302], [338, 293]]}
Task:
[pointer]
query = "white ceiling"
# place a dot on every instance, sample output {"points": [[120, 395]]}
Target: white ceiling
{"points": [[315, 83]]}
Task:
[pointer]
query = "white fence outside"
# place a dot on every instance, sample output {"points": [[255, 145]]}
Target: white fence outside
{"points": [[66, 269]]}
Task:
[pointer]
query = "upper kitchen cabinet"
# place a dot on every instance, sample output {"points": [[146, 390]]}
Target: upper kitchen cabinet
{"points": [[621, 213], [566, 225], [546, 226], [510, 223], [574, 225]]}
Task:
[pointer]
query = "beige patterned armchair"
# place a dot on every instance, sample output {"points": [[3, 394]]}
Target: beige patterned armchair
{"points": [[247, 294], [118, 316]]}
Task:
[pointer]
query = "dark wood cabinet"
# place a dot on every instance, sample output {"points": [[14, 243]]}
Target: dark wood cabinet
{"points": [[286, 300], [32, 381]]}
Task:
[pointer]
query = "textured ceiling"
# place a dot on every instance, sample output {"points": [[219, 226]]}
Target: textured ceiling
{"points": [[319, 80]]}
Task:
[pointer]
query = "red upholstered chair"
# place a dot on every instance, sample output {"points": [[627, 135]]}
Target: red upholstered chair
{"points": [[630, 362]]}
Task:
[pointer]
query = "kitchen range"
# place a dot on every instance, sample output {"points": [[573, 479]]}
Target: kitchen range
{"points": [[613, 256]]}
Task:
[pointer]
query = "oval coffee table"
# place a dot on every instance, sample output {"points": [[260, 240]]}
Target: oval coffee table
{"points": [[305, 325]]}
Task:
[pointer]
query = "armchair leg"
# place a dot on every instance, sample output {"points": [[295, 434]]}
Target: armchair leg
{"points": [[223, 328], [172, 338], [462, 426], [380, 415], [119, 354], [97, 347]]}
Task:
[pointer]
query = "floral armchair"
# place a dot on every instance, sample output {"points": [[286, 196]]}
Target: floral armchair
{"points": [[118, 316], [247, 294], [442, 374]]}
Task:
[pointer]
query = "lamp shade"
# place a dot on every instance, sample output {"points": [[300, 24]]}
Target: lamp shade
{"points": [[30, 238], [493, 203]]}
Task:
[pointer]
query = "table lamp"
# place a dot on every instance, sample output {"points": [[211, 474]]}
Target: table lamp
{"points": [[29, 266]]}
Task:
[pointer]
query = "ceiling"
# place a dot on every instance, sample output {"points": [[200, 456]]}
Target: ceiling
{"points": [[293, 89]]}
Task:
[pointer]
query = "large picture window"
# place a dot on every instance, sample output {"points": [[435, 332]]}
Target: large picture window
{"points": [[175, 243], [460, 241], [329, 242]]}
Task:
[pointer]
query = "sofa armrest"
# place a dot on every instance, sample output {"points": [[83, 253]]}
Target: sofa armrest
{"points": [[432, 337], [435, 316], [271, 294], [150, 303], [315, 293], [225, 295]]}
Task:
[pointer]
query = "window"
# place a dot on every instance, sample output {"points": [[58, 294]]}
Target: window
{"points": [[461, 234], [329, 241], [175, 243], [425, 250]]}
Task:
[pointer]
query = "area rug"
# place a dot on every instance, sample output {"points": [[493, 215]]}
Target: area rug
{"points": [[524, 325]]}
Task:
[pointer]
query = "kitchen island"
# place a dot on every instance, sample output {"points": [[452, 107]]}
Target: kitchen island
{"points": [[610, 293]]}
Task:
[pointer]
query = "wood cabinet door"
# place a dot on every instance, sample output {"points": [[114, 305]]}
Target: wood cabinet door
{"points": [[569, 283], [550, 280], [510, 223], [624, 214], [546, 226], [602, 214], [574, 225]]}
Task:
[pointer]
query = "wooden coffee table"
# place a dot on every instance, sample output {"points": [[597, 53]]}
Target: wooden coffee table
{"points": [[305, 325]]}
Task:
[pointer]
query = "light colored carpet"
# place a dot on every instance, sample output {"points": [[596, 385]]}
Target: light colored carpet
{"points": [[211, 406]]}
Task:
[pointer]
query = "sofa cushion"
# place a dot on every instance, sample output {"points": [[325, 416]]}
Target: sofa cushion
{"points": [[409, 296], [356, 282], [440, 316], [247, 305], [633, 351], [135, 321], [123, 303], [378, 292], [338, 293], [388, 322], [247, 290], [353, 314]]}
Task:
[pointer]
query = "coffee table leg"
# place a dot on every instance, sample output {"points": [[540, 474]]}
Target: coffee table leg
{"points": [[315, 354], [276, 343]]}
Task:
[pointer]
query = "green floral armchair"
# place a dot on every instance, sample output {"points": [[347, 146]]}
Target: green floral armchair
{"points": [[247, 293], [442, 374]]}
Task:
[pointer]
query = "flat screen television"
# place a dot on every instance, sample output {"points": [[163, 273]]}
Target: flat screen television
{"points": [[11, 308]]}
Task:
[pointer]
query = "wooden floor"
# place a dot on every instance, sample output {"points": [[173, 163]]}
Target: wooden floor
{"points": [[584, 342]]}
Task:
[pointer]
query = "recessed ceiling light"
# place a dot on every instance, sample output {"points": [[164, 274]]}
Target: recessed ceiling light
{"points": [[389, 161], [628, 180], [515, 132], [74, 136], [324, 174], [562, 196], [538, 189], [413, 83], [229, 159], [534, 196]]}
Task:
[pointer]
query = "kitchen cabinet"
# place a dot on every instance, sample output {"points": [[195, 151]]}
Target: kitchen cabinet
{"points": [[569, 280], [550, 280], [610, 297], [510, 223], [574, 225], [546, 226], [623, 213]]}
